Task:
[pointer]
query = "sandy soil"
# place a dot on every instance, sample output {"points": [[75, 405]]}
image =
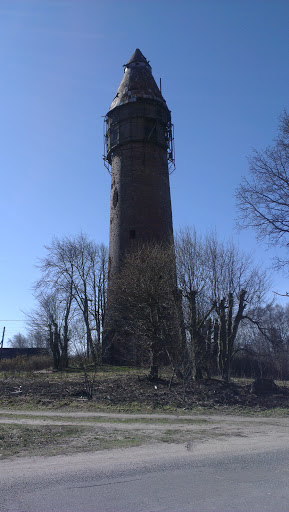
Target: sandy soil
{"points": [[122, 459], [188, 435]]}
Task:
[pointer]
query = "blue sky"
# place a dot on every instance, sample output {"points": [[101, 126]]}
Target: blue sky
{"points": [[225, 75]]}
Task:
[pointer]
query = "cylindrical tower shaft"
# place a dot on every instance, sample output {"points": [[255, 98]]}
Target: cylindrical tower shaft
{"points": [[140, 199]]}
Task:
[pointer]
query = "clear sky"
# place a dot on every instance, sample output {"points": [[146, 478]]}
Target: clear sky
{"points": [[225, 77]]}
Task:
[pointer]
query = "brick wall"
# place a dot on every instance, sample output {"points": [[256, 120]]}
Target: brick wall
{"points": [[140, 207]]}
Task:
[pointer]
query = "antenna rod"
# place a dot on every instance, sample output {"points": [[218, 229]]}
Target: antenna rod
{"points": [[2, 341]]}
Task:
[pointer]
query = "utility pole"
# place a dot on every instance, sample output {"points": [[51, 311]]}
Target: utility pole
{"points": [[2, 340]]}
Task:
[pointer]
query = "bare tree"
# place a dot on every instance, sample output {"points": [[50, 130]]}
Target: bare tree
{"points": [[50, 321], [19, 341], [219, 283], [145, 310], [75, 269], [193, 281], [83, 361], [89, 285], [267, 341], [98, 285], [236, 285], [263, 198]]}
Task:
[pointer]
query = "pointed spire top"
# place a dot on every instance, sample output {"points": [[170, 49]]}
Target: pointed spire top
{"points": [[137, 56], [137, 83]]}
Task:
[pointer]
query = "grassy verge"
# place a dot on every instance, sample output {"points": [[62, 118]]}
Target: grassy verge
{"points": [[23, 440], [138, 409], [18, 440], [134, 419]]}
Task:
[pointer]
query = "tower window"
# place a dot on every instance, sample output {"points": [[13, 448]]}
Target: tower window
{"points": [[132, 233]]}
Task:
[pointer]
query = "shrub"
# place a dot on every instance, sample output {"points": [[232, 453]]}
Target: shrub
{"points": [[25, 364]]}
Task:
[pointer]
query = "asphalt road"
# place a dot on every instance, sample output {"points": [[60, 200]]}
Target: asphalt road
{"points": [[213, 479]]}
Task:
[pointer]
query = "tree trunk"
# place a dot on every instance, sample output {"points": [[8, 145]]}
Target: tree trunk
{"points": [[89, 342], [180, 351], [54, 345], [222, 345], [228, 329], [154, 369], [192, 331], [64, 345]]}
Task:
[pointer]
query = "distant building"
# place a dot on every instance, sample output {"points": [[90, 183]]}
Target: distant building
{"points": [[10, 353]]}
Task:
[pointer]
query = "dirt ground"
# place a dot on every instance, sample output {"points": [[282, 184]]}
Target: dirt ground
{"points": [[135, 393], [50, 413], [54, 433]]}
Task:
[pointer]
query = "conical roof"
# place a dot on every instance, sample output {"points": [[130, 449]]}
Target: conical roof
{"points": [[137, 82], [137, 56]]}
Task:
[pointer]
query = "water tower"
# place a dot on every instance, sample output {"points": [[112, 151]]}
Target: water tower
{"points": [[139, 154]]}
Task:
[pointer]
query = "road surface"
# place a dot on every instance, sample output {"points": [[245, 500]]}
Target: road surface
{"points": [[247, 472]]}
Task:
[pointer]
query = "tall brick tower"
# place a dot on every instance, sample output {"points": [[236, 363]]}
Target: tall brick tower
{"points": [[139, 154]]}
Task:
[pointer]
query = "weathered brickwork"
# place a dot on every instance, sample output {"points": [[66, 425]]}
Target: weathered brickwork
{"points": [[140, 209]]}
